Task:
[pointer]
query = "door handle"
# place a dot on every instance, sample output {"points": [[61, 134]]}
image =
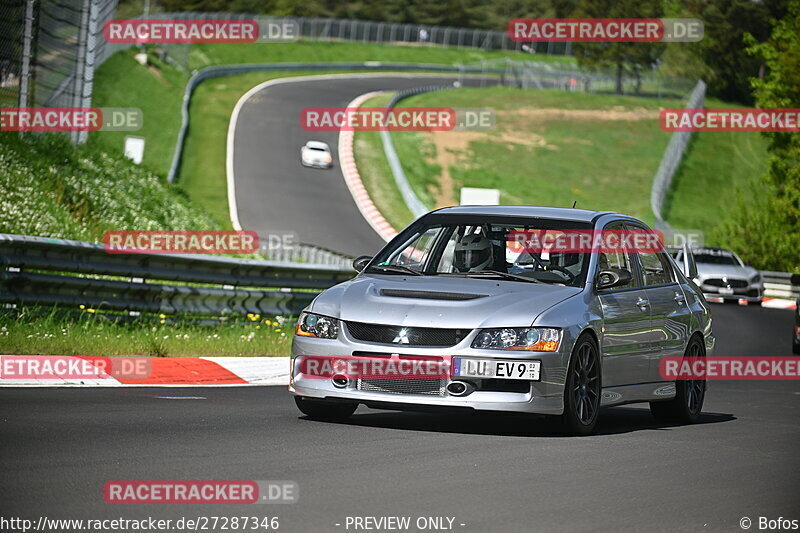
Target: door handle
{"points": [[679, 298], [642, 303]]}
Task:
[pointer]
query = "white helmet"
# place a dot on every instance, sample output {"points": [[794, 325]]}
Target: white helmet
{"points": [[472, 253]]}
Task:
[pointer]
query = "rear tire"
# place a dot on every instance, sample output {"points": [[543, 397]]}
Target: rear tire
{"points": [[325, 410], [582, 388], [687, 405]]}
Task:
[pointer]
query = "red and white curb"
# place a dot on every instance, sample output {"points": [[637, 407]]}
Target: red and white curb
{"points": [[353, 179], [778, 303], [770, 303], [172, 372]]}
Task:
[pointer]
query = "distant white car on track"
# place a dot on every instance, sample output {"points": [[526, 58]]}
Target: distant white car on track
{"points": [[316, 154]]}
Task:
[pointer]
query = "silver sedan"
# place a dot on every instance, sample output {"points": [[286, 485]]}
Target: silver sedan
{"points": [[523, 330], [721, 274]]}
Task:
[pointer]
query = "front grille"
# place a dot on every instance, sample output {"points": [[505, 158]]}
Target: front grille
{"points": [[427, 387], [384, 334], [732, 283]]}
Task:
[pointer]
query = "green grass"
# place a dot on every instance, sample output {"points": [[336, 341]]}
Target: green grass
{"points": [[718, 169], [541, 159], [36, 331], [376, 174], [600, 163], [157, 90], [49, 188], [203, 55]]}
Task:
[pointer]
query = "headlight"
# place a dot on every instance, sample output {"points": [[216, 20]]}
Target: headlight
{"points": [[531, 339], [756, 278], [311, 325]]}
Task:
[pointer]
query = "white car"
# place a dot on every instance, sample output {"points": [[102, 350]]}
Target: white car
{"points": [[316, 154]]}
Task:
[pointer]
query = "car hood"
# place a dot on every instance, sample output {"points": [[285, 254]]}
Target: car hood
{"points": [[707, 270], [447, 302]]}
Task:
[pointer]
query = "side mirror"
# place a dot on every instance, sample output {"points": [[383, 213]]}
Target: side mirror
{"points": [[613, 277], [795, 279], [689, 266], [361, 262]]}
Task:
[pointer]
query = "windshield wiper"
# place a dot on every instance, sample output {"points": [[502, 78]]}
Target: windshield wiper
{"points": [[505, 275], [400, 269]]}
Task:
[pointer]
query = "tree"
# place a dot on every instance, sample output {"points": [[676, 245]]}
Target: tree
{"points": [[634, 57], [767, 232]]}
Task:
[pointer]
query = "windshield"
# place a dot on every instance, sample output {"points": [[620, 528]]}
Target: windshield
{"points": [[482, 247], [718, 258]]}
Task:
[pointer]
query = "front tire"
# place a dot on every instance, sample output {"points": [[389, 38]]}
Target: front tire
{"points": [[687, 405], [325, 410], [582, 388]]}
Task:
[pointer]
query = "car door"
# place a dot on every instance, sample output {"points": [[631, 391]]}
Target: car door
{"points": [[626, 340], [670, 316]]}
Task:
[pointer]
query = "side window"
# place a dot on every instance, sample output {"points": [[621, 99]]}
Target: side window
{"points": [[656, 268], [416, 250], [617, 259]]}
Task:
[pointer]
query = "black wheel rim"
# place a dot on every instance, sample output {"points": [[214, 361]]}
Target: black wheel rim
{"points": [[694, 389], [586, 383]]}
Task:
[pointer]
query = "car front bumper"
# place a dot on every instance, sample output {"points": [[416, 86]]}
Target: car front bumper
{"points": [[316, 164], [753, 293], [541, 397]]}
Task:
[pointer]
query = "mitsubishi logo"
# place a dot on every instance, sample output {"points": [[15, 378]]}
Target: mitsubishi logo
{"points": [[402, 337]]}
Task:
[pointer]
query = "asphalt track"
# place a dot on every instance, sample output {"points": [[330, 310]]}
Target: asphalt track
{"points": [[492, 473], [275, 194]]}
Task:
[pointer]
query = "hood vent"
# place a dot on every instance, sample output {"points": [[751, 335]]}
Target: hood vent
{"points": [[430, 295]]}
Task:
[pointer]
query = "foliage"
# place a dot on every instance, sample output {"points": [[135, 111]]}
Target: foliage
{"points": [[768, 233], [49, 188]]}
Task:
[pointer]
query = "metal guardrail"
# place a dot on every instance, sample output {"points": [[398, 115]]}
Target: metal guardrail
{"points": [[411, 199], [56, 272], [672, 158], [781, 284]]}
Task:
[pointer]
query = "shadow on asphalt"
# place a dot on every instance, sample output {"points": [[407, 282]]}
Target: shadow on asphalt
{"points": [[613, 421]]}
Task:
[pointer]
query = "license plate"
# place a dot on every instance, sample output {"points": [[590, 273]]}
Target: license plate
{"points": [[725, 290], [496, 369]]}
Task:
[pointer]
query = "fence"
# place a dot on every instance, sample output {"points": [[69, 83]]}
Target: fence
{"points": [[49, 50], [672, 159], [55, 272], [571, 77]]}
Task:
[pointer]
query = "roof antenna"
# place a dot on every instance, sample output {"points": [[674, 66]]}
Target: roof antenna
{"points": [[574, 204]]}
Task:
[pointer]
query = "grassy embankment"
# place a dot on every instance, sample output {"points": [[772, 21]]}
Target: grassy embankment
{"points": [[554, 148]]}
